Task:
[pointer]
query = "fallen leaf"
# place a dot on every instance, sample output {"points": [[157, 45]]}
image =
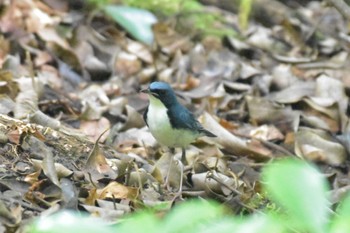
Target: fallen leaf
{"points": [[116, 190]]}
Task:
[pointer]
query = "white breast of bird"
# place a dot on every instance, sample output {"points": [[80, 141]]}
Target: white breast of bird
{"points": [[160, 127]]}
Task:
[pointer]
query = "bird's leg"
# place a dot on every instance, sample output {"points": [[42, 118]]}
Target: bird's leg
{"points": [[183, 156], [179, 163], [167, 181], [179, 192], [181, 176]]}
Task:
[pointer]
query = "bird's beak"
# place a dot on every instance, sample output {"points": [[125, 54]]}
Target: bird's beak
{"points": [[147, 91]]}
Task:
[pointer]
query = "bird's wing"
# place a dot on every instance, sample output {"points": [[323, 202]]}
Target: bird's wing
{"points": [[182, 118], [145, 115]]}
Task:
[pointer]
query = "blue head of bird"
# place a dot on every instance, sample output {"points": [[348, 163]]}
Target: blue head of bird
{"points": [[160, 91]]}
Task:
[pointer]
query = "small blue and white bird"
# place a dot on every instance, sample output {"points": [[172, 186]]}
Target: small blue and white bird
{"points": [[170, 123]]}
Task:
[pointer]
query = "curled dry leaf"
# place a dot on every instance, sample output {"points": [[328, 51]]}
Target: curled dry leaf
{"points": [[223, 63], [95, 93], [42, 58], [33, 177], [267, 133], [345, 140], [198, 59], [69, 194], [117, 190], [16, 186], [169, 40], [288, 79], [331, 88], [248, 71], [139, 178], [262, 38], [97, 166], [14, 136], [317, 145], [93, 129], [213, 182], [41, 118], [294, 93], [26, 103], [243, 169], [236, 86], [35, 147], [210, 163], [117, 106], [7, 105], [230, 142], [206, 86], [95, 102], [141, 51], [132, 137], [8, 85], [28, 97], [48, 166], [127, 64], [113, 205], [61, 170], [323, 105], [322, 113], [168, 165], [49, 34], [264, 111], [133, 120], [98, 68], [8, 216]]}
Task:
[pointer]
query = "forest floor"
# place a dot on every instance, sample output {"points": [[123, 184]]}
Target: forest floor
{"points": [[273, 89]]}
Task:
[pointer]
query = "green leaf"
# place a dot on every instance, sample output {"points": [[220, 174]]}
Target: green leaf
{"points": [[189, 215], [341, 223], [222, 225], [137, 22], [98, 3], [301, 190], [244, 12], [67, 221], [260, 224], [145, 221]]}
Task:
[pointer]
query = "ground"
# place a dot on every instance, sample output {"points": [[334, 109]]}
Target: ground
{"points": [[72, 133]]}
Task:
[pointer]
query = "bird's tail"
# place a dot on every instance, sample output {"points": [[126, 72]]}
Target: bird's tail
{"points": [[208, 133]]}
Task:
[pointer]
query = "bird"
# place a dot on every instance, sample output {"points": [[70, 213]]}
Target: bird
{"points": [[170, 123]]}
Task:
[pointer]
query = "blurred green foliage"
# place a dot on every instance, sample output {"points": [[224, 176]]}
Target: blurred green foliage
{"points": [[138, 22], [190, 12], [190, 15], [294, 185], [244, 13]]}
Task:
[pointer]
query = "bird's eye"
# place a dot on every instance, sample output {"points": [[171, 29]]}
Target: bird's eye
{"points": [[161, 92]]}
